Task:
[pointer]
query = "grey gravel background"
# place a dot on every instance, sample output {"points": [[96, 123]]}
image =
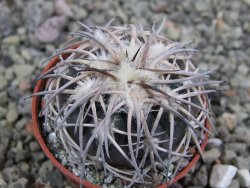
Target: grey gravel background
{"points": [[31, 30]]}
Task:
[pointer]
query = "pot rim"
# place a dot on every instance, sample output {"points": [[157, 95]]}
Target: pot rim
{"points": [[36, 105]]}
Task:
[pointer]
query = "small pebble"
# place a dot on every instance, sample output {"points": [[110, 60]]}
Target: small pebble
{"points": [[46, 167], [3, 112], [238, 147], [63, 8], [244, 177], [214, 142], [172, 30], [228, 155], [34, 146], [227, 119], [12, 114], [12, 40], [247, 2], [2, 160], [24, 167], [20, 183], [20, 124], [2, 181], [3, 82], [50, 30], [241, 162], [201, 177], [201, 6], [21, 31], [83, 13], [212, 154], [222, 175], [26, 54], [22, 71], [234, 184], [11, 174]]}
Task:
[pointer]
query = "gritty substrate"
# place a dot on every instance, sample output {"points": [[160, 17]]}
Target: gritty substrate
{"points": [[221, 32]]}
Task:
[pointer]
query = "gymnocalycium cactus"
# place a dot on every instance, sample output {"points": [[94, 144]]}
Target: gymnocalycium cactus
{"points": [[126, 102]]}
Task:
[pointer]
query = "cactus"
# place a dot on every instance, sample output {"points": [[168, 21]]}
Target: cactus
{"points": [[126, 102]]}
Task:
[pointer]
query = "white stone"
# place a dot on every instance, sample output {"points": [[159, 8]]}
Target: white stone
{"points": [[244, 177], [222, 175]]}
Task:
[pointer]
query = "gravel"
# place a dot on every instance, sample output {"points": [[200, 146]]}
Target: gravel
{"points": [[244, 177], [3, 82], [214, 143], [201, 176], [50, 30], [22, 71], [241, 162], [21, 183], [12, 114], [33, 29], [234, 184], [228, 156], [228, 119], [3, 112], [211, 155], [222, 175], [41, 9], [2, 161], [238, 147], [5, 17], [3, 97], [11, 174], [3, 183]]}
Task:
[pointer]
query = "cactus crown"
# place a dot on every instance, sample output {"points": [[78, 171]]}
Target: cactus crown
{"points": [[126, 101]]}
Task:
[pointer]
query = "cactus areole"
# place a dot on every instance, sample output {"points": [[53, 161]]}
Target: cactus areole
{"points": [[122, 106]]}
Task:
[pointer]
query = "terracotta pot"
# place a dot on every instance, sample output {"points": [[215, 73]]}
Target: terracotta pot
{"points": [[36, 107]]}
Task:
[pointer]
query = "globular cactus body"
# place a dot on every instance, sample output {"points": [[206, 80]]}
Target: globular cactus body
{"points": [[125, 101]]}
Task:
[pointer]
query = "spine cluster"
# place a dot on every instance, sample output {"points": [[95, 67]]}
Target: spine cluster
{"points": [[127, 101]]}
